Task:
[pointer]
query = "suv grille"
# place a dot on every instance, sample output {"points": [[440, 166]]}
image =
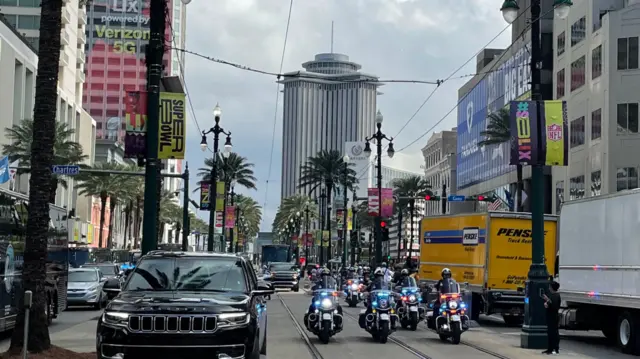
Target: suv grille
{"points": [[196, 324]]}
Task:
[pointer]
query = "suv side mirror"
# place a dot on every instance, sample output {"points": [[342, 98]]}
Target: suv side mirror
{"points": [[263, 289], [103, 279]]}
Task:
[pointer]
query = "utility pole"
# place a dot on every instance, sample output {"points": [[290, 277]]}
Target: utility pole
{"points": [[232, 197], [185, 210], [444, 198], [155, 52], [412, 203], [399, 233]]}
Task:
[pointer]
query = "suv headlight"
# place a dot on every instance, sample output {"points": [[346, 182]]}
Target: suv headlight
{"points": [[453, 304], [92, 288], [231, 319], [115, 318]]}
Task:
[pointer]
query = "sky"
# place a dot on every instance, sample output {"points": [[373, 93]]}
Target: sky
{"points": [[425, 40]]}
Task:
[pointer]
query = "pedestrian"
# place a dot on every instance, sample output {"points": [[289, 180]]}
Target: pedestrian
{"points": [[552, 305]]}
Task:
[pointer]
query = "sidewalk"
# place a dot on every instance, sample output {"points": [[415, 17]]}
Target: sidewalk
{"points": [[508, 345], [79, 338]]}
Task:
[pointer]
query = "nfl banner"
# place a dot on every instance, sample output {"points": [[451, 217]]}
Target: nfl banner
{"points": [[525, 140], [555, 139]]}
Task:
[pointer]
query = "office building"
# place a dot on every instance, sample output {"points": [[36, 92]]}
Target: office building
{"points": [[18, 68], [440, 168], [329, 103], [597, 73]]}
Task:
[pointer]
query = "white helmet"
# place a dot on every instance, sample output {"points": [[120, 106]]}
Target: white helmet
{"points": [[378, 272]]}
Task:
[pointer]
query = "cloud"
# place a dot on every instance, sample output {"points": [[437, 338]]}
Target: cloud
{"points": [[394, 39]]}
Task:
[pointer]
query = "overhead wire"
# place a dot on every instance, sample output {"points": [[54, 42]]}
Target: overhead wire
{"points": [[275, 114], [468, 93]]}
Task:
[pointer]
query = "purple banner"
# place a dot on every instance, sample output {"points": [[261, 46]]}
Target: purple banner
{"points": [[525, 136]]}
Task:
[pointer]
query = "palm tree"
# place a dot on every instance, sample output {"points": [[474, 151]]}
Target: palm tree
{"points": [[413, 186], [294, 208], [250, 215], [232, 168], [42, 157], [498, 132], [65, 150], [167, 215], [102, 186], [327, 168]]}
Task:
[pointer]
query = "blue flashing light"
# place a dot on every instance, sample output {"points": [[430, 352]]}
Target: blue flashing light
{"points": [[317, 303], [526, 300], [374, 304], [324, 294], [430, 305], [462, 305]]}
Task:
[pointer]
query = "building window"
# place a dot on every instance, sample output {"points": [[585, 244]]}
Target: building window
{"points": [[560, 84], [560, 42], [578, 31], [626, 178], [577, 132], [34, 41], [8, 3], [27, 3], [628, 53], [596, 124], [627, 118], [578, 73], [12, 19], [559, 195], [596, 183], [596, 62], [28, 22], [576, 187]]}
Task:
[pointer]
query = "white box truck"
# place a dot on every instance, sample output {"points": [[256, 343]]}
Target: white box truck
{"points": [[599, 267]]}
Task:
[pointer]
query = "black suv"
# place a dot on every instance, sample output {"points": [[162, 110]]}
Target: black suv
{"points": [[187, 305]]}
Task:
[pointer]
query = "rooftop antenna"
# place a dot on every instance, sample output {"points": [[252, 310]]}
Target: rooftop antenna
{"points": [[332, 37]]}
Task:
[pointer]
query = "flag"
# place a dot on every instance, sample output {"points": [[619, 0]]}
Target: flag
{"points": [[495, 204], [5, 174]]}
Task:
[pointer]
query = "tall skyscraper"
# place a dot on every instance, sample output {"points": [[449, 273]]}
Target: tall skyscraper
{"points": [[117, 35], [328, 104]]}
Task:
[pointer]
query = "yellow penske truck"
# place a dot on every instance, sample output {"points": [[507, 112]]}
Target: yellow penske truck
{"points": [[491, 252]]}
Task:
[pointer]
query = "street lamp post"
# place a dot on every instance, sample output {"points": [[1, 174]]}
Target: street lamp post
{"points": [[232, 196], [534, 332], [323, 197], [306, 232], [185, 210], [345, 217], [378, 136], [216, 130]]}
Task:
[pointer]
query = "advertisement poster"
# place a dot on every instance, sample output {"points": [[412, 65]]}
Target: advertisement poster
{"points": [[525, 140], [387, 202], [172, 129], [135, 145], [204, 197], [230, 217], [372, 195], [220, 187], [555, 139]]}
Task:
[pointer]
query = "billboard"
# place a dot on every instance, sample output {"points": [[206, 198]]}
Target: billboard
{"points": [[509, 81]]}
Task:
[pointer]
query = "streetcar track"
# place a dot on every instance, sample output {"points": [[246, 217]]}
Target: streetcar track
{"points": [[313, 350], [422, 355]]}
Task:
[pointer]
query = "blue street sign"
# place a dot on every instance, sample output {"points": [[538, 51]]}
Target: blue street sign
{"points": [[65, 170], [456, 198]]}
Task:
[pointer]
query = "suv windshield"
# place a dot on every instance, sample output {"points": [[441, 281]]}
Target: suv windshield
{"points": [[188, 274], [83, 276], [108, 270], [282, 267]]}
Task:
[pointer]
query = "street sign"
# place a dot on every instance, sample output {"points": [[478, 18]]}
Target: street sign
{"points": [[65, 170], [456, 198]]}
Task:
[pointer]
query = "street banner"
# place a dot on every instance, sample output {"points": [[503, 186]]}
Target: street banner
{"points": [[204, 197], [340, 218], [230, 217], [525, 148], [387, 202], [220, 189], [555, 139], [235, 235], [219, 220], [135, 141], [172, 129], [326, 236], [308, 240], [372, 194], [318, 237], [89, 233], [294, 240], [349, 219]]}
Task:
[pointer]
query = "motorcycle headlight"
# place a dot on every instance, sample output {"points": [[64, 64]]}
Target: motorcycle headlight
{"points": [[326, 303], [453, 304], [354, 287], [412, 298]]}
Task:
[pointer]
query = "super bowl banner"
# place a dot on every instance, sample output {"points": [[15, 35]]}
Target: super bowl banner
{"points": [[387, 202], [220, 188], [539, 133], [172, 128], [135, 141], [230, 217], [205, 204]]}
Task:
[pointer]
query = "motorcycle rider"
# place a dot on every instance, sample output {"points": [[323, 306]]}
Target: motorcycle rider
{"points": [[388, 274], [326, 281], [442, 287]]}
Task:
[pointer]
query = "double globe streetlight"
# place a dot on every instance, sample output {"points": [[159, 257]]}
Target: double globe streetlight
{"points": [[216, 130], [534, 330]]}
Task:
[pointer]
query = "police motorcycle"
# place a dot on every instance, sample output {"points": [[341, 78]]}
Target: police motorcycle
{"points": [[449, 319], [353, 291], [410, 311], [380, 318], [324, 317]]}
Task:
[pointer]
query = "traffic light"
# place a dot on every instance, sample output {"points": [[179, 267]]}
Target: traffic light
{"points": [[431, 198], [481, 198], [385, 231]]}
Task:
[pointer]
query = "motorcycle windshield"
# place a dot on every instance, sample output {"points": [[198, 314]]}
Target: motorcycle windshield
{"points": [[450, 286], [327, 283], [409, 282]]}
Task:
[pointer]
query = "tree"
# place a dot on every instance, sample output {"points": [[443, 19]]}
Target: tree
{"points": [[102, 186], [168, 210], [65, 150], [233, 168], [132, 198], [498, 132], [250, 215], [42, 157], [294, 208], [413, 186], [327, 168]]}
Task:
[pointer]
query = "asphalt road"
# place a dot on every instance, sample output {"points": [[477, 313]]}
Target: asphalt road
{"points": [[489, 339]]}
